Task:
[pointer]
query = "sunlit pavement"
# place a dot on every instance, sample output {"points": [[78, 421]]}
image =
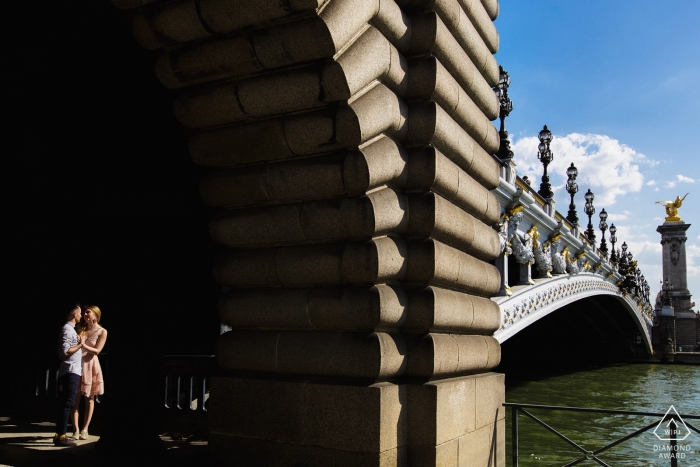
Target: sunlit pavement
{"points": [[31, 443]]}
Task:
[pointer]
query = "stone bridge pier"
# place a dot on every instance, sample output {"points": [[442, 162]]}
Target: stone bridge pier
{"points": [[349, 145]]}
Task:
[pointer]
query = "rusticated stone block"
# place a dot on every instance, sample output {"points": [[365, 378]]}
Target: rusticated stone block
{"points": [[375, 357], [486, 446], [429, 124], [256, 408], [267, 140], [233, 451], [371, 57], [433, 262], [281, 182], [464, 31], [433, 216], [442, 310], [430, 36], [168, 24], [443, 424], [352, 308], [377, 111], [482, 13], [353, 419], [429, 169], [260, 96], [490, 392], [428, 79], [379, 260], [378, 213], [224, 16], [435, 356]]}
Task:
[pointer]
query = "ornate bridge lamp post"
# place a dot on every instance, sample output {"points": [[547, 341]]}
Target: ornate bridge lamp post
{"points": [[505, 154], [545, 156], [603, 227], [613, 239], [589, 209], [572, 189], [622, 259], [666, 289]]}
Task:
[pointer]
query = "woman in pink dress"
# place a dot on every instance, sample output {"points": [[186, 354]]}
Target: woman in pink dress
{"points": [[92, 384]]}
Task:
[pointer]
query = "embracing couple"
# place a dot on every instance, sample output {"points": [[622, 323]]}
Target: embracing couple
{"points": [[79, 374]]}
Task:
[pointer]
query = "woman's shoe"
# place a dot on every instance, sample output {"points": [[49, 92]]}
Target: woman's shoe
{"points": [[84, 434], [75, 435]]}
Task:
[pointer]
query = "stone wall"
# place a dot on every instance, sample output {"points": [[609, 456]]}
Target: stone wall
{"points": [[349, 149]]}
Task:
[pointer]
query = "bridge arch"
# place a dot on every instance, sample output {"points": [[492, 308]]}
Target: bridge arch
{"points": [[529, 304]]}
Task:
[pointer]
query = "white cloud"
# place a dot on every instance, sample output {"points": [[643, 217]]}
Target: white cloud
{"points": [[684, 179], [670, 185], [615, 217], [606, 166], [656, 189], [650, 183]]}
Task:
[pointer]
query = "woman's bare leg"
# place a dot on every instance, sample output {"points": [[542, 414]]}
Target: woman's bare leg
{"points": [[74, 412], [90, 406]]}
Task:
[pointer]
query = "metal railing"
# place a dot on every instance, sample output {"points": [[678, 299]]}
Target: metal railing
{"points": [[587, 454], [184, 379], [42, 382], [186, 392]]}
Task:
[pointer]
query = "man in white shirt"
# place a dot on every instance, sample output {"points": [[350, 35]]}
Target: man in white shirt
{"points": [[69, 372]]}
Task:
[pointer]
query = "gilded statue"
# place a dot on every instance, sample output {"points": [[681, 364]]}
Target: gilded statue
{"points": [[672, 208]]}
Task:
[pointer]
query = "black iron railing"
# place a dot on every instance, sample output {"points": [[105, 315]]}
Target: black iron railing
{"points": [[186, 392], [42, 381], [184, 379], [593, 455]]}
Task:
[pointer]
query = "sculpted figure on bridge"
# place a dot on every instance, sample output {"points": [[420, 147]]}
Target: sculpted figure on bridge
{"points": [[571, 263], [520, 243], [558, 258], [582, 262], [543, 255], [672, 208]]}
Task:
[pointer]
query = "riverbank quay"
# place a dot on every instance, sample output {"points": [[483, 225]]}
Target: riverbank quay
{"points": [[29, 442]]}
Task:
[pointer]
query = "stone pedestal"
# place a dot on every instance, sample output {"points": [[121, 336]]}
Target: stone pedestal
{"points": [[348, 153], [673, 239]]}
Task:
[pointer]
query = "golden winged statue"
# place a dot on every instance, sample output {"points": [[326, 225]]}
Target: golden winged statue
{"points": [[672, 208]]}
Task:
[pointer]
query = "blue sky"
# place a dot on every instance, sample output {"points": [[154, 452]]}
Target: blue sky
{"points": [[616, 82]]}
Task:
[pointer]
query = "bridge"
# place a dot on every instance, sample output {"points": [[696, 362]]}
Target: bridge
{"points": [[546, 263]]}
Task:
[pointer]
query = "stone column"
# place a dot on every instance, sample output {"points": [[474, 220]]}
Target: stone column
{"points": [[525, 274], [673, 239], [502, 266], [348, 145]]}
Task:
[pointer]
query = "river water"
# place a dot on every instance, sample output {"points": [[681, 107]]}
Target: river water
{"points": [[634, 387]]}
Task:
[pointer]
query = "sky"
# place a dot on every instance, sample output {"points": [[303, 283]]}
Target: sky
{"points": [[616, 83]]}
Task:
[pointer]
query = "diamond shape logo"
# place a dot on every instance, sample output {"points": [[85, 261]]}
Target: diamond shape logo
{"points": [[671, 427]]}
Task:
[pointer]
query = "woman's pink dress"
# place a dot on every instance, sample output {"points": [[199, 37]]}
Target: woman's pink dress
{"points": [[92, 383]]}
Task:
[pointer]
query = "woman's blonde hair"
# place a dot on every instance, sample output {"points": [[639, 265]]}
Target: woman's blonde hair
{"points": [[82, 326]]}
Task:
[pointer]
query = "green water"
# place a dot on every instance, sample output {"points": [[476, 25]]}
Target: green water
{"points": [[634, 387]]}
